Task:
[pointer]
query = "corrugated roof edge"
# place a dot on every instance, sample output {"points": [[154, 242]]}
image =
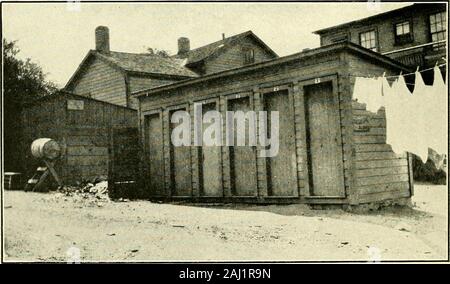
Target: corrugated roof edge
{"points": [[312, 52], [66, 94]]}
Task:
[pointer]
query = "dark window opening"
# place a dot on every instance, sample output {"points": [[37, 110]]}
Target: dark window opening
{"points": [[249, 56]]}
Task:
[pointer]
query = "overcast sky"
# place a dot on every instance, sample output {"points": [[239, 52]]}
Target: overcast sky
{"points": [[58, 36]]}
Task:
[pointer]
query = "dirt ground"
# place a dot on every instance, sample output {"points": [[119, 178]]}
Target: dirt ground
{"points": [[53, 227]]}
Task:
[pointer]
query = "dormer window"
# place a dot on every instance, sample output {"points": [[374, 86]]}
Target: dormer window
{"points": [[403, 32], [249, 56]]}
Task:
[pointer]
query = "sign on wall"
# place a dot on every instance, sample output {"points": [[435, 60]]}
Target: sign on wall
{"points": [[75, 104]]}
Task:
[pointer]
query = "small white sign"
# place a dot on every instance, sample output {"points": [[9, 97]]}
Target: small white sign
{"points": [[75, 104]]}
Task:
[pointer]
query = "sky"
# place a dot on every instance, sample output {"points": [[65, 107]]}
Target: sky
{"points": [[58, 35]]}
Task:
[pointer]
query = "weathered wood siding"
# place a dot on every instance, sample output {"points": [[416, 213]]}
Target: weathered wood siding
{"points": [[293, 76], [254, 85], [43, 120], [137, 83], [88, 136], [385, 28], [82, 134], [102, 82], [234, 57], [379, 173]]}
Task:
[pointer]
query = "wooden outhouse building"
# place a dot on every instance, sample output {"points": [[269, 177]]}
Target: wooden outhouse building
{"points": [[82, 126], [331, 149]]}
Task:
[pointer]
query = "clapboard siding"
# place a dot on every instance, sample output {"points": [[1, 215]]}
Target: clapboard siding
{"points": [[378, 170], [102, 82], [141, 83], [233, 57], [137, 83]]}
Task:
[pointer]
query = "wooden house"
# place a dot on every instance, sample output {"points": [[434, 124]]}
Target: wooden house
{"points": [[112, 76], [82, 126], [414, 35], [331, 149]]}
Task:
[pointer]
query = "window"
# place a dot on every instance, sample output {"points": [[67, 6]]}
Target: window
{"points": [[402, 28], [438, 24], [249, 56], [368, 40], [403, 32]]}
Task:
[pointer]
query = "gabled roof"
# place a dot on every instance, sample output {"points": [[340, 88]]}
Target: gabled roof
{"points": [[147, 63], [199, 54], [175, 66], [139, 64], [417, 6]]}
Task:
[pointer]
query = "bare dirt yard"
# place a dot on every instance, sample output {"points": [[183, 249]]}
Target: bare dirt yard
{"points": [[51, 226]]}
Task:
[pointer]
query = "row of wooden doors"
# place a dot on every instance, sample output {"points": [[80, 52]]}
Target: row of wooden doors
{"points": [[323, 145]]}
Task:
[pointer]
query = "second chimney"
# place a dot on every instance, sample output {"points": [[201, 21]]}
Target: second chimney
{"points": [[183, 45], [102, 39]]}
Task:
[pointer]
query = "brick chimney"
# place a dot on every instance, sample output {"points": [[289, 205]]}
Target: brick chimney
{"points": [[102, 39], [183, 45]]}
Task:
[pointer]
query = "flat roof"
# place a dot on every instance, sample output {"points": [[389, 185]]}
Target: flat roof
{"points": [[349, 46]]}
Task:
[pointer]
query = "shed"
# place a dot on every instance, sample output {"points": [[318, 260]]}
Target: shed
{"points": [[331, 149], [82, 126]]}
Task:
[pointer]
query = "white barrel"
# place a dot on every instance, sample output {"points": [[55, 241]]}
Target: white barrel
{"points": [[45, 148]]}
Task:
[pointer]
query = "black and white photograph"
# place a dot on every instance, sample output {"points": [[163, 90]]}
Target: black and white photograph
{"points": [[224, 132]]}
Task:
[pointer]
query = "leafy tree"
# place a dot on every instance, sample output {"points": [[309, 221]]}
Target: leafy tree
{"points": [[23, 81]]}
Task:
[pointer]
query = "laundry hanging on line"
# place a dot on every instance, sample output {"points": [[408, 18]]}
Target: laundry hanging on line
{"points": [[414, 121]]}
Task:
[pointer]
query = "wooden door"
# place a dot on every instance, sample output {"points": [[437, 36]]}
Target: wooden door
{"points": [[242, 158], [210, 168], [180, 160], [324, 143], [123, 173], [154, 155], [281, 169]]}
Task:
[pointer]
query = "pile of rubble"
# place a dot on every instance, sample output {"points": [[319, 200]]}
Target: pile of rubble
{"points": [[97, 192]]}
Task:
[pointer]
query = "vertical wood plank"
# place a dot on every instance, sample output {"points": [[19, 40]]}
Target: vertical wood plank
{"points": [[300, 129], [166, 149], [261, 166]]}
